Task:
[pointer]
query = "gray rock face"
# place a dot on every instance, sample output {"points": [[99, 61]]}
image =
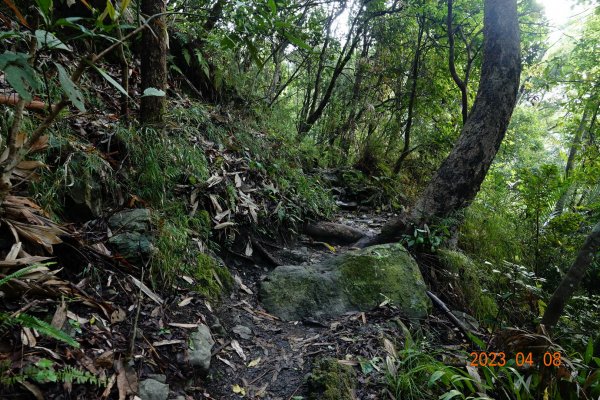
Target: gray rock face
{"points": [[151, 389], [134, 220], [200, 349], [355, 281]]}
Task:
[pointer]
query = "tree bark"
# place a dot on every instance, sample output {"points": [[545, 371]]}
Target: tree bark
{"points": [[154, 63], [572, 278], [458, 179]]}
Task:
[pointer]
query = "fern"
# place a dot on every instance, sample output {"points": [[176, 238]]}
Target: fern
{"points": [[45, 328], [17, 274], [43, 372], [29, 321]]}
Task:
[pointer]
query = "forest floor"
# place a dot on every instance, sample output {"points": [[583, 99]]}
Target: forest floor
{"points": [[256, 355], [274, 357]]}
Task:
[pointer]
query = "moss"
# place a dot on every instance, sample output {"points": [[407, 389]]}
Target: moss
{"points": [[211, 277], [471, 280], [329, 380], [383, 272], [201, 223]]}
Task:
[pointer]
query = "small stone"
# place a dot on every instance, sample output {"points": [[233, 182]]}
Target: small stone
{"points": [[133, 246], [242, 331], [151, 389], [134, 220], [199, 353]]}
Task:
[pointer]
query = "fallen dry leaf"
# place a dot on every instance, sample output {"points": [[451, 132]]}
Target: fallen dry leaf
{"points": [[127, 380], [117, 316], [238, 349], [60, 316], [185, 301], [105, 360]]}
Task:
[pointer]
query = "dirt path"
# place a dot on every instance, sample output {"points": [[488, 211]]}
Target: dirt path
{"points": [[274, 357]]}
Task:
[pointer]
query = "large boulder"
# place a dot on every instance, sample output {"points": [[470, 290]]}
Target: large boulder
{"points": [[355, 281]]}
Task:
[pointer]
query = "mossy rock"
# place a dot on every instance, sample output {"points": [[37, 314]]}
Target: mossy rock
{"points": [[355, 281], [135, 247], [330, 380]]}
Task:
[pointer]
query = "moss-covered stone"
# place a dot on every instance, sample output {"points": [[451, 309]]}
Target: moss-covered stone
{"points": [[212, 279], [355, 281], [330, 380], [471, 279], [384, 272], [135, 247]]}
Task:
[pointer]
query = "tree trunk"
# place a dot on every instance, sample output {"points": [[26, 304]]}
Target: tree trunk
{"points": [[575, 145], [572, 278], [154, 63], [414, 76], [458, 179], [462, 85]]}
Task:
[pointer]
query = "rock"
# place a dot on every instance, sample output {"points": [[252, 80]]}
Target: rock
{"points": [[158, 377], [133, 220], [135, 247], [242, 331], [330, 380], [355, 281], [199, 353], [334, 233], [151, 389]]}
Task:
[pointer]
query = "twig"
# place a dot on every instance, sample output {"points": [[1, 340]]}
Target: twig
{"points": [[440, 304], [265, 253], [137, 315]]}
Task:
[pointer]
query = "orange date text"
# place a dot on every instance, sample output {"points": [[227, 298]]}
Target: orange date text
{"points": [[499, 359]]}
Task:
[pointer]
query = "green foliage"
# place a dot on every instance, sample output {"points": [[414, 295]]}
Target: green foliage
{"points": [[330, 380], [472, 279], [44, 371], [7, 320], [426, 239], [418, 371], [211, 278]]}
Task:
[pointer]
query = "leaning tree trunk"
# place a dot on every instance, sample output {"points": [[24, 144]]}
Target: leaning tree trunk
{"points": [[458, 179], [572, 278], [154, 63]]}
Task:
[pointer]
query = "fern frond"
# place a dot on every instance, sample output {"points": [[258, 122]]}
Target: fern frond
{"points": [[18, 274], [45, 328]]}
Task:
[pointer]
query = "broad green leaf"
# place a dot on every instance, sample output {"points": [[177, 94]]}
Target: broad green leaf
{"points": [[272, 6], [297, 41], [153, 92], [45, 6], [48, 40], [450, 395], [111, 80], [589, 351], [435, 377], [19, 74], [69, 88]]}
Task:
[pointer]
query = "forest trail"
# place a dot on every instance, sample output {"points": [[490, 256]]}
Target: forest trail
{"points": [[265, 357]]}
